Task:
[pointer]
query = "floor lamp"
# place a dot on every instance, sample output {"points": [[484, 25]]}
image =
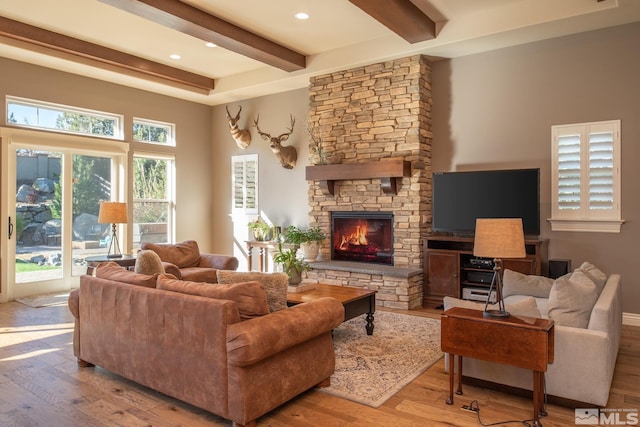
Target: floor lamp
{"points": [[498, 238], [113, 213]]}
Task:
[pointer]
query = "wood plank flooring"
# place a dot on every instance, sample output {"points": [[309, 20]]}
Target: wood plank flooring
{"points": [[40, 385]]}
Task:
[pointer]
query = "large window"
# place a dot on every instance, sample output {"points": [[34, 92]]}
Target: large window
{"points": [[62, 118], [153, 199], [153, 132], [586, 177]]}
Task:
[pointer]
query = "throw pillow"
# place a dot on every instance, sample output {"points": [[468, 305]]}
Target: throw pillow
{"points": [[275, 285], [249, 297], [594, 273], [514, 283], [183, 254], [112, 271], [571, 300], [148, 262]]}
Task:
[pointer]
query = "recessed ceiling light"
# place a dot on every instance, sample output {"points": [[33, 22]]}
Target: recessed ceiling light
{"points": [[302, 15], [174, 56], [209, 44]]}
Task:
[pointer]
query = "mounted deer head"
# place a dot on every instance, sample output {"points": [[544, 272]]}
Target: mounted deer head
{"points": [[286, 155], [241, 136]]}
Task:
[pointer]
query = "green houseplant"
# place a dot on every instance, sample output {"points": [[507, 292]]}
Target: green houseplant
{"points": [[308, 240], [261, 230], [291, 264]]}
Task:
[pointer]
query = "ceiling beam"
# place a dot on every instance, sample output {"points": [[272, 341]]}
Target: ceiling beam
{"points": [[400, 16], [115, 59], [200, 24]]}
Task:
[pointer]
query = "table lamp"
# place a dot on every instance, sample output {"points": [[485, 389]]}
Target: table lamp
{"points": [[113, 213], [498, 238]]}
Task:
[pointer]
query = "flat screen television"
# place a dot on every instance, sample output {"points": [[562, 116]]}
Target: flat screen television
{"points": [[461, 197]]}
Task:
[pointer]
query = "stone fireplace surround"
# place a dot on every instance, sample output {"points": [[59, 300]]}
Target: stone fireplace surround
{"points": [[366, 115]]}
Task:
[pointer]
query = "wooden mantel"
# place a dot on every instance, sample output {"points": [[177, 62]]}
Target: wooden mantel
{"points": [[388, 170]]}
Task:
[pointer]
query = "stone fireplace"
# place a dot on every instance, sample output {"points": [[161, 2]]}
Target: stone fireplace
{"points": [[362, 237], [374, 118]]}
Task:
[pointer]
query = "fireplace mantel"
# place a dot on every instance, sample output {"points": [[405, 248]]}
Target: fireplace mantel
{"points": [[388, 170]]}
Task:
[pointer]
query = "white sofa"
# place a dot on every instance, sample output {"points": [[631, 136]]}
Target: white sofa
{"points": [[584, 358]]}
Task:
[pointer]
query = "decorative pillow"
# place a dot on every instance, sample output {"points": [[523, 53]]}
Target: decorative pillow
{"points": [[524, 307], [274, 284], [112, 271], [572, 299], [148, 262], [183, 254], [514, 283], [249, 297], [594, 273]]}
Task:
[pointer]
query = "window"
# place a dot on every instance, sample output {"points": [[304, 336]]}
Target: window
{"points": [[585, 184], [153, 132], [244, 170], [153, 199], [61, 118]]}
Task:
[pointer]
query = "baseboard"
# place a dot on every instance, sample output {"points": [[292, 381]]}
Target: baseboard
{"points": [[631, 319]]}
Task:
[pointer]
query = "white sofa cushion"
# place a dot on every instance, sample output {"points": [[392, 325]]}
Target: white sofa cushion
{"points": [[523, 307], [595, 274], [571, 300], [514, 283]]}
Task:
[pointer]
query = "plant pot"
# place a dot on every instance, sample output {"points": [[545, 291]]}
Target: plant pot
{"points": [[295, 277], [310, 250]]}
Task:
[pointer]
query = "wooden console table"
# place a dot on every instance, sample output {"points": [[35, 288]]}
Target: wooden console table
{"points": [[525, 342], [263, 257]]}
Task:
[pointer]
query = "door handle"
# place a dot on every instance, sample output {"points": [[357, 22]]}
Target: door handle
{"points": [[10, 228]]}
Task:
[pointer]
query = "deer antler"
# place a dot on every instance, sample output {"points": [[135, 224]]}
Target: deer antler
{"points": [[264, 135], [285, 136]]}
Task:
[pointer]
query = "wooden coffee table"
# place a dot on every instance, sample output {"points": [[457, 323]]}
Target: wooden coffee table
{"points": [[356, 301]]}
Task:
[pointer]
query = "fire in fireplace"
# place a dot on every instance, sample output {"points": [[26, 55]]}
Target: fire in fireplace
{"points": [[362, 237]]}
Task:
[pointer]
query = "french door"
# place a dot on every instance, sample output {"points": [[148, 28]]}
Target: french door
{"points": [[53, 190]]}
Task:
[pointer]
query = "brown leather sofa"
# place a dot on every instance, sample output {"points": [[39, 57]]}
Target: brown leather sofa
{"points": [[198, 350], [185, 261]]}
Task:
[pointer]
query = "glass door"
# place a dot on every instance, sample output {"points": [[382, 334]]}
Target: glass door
{"points": [[55, 220]]}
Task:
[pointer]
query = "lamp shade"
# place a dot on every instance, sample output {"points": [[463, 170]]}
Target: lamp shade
{"points": [[112, 213], [499, 238]]}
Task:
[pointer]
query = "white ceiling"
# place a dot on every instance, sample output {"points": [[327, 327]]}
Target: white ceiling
{"points": [[337, 36]]}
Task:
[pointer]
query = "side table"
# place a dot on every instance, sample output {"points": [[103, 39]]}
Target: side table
{"points": [[525, 342], [263, 257], [126, 261]]}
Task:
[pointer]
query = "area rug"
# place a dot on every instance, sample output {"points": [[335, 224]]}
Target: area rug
{"points": [[48, 300], [372, 368]]}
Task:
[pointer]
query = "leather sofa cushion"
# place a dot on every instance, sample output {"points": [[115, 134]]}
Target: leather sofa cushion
{"points": [[183, 254], [249, 297], [112, 271]]}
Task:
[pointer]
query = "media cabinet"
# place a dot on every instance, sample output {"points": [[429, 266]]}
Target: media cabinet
{"points": [[448, 269]]}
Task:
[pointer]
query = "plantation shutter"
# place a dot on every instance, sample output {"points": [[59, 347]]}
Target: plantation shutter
{"points": [[244, 180], [569, 180], [586, 177]]}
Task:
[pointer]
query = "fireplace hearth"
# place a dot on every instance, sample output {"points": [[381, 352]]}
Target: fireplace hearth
{"points": [[362, 237]]}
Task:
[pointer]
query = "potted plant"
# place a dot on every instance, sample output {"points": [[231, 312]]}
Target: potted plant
{"points": [[291, 264], [308, 240], [261, 230]]}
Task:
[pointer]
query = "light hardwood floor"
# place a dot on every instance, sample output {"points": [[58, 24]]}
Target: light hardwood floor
{"points": [[40, 385]]}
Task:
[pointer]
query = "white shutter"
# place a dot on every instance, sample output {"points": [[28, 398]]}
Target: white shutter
{"points": [[244, 181], [586, 177]]}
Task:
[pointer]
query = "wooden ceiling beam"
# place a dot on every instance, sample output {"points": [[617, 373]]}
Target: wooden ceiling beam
{"points": [[119, 60], [400, 16], [200, 24]]}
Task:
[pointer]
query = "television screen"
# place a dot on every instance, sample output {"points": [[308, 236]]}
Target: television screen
{"points": [[461, 197]]}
